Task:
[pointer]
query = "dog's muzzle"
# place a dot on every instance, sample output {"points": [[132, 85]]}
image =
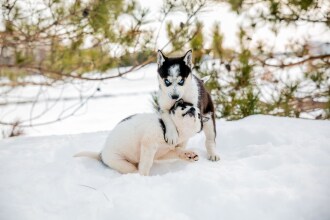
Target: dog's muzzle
{"points": [[191, 112]]}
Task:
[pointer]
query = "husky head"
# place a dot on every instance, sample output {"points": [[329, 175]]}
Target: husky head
{"points": [[174, 74], [186, 116]]}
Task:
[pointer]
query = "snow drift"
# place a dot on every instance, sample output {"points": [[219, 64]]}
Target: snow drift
{"points": [[270, 168]]}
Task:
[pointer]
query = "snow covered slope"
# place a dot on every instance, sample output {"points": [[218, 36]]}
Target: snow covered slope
{"points": [[270, 168]]}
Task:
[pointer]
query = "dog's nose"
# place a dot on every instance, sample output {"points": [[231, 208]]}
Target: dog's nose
{"points": [[175, 97], [192, 110]]}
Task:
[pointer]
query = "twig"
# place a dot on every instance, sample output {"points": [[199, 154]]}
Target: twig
{"points": [[296, 63], [105, 196]]}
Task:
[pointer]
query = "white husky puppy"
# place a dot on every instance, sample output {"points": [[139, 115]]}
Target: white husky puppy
{"points": [[137, 141]]}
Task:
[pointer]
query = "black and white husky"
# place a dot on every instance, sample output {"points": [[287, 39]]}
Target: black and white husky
{"points": [[176, 81]]}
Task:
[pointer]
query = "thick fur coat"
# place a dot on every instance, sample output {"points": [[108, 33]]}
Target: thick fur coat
{"points": [[136, 142], [176, 81]]}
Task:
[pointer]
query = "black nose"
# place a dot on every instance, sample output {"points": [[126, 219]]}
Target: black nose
{"points": [[175, 97], [192, 110]]}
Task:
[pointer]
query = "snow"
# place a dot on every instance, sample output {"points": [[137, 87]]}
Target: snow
{"points": [[116, 99], [270, 168]]}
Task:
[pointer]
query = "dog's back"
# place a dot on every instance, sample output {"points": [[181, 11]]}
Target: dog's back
{"points": [[132, 135]]}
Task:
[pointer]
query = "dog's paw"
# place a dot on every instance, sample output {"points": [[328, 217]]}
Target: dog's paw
{"points": [[214, 157], [189, 156], [171, 137]]}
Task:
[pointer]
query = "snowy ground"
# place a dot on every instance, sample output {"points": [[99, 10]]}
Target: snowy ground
{"points": [[270, 168]]}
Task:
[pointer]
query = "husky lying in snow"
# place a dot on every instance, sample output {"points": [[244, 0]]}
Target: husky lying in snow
{"points": [[137, 141], [177, 82]]}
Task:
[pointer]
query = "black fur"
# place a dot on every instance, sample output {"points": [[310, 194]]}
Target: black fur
{"points": [[101, 159], [202, 124], [162, 125], [205, 103], [180, 103], [126, 119], [184, 69]]}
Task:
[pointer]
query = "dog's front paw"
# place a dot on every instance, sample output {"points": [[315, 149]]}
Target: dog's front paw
{"points": [[171, 137], [214, 157], [189, 156]]}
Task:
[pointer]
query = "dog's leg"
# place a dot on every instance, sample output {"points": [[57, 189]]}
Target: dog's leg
{"points": [[146, 159], [123, 166], [210, 134], [187, 155], [171, 155], [179, 153], [182, 145], [171, 134]]}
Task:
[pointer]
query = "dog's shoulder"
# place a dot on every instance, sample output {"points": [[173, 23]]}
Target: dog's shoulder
{"points": [[205, 103], [127, 118]]}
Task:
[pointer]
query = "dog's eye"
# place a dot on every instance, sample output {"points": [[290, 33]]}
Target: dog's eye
{"points": [[181, 82], [167, 83]]}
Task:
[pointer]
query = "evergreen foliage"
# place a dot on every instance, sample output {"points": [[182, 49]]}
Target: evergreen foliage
{"points": [[63, 40]]}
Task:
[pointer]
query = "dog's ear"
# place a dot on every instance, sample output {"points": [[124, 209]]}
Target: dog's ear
{"points": [[179, 102], [187, 58], [160, 58]]}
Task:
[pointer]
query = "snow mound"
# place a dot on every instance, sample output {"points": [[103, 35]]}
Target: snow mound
{"points": [[270, 168]]}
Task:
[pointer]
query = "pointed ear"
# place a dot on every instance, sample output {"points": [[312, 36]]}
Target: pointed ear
{"points": [[160, 58], [187, 58]]}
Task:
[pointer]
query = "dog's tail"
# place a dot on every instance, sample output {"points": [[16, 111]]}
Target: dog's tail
{"points": [[90, 154]]}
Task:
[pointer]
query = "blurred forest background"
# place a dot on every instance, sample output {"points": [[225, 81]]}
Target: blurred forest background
{"points": [[61, 41]]}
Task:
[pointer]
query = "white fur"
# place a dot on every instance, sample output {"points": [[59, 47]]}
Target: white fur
{"points": [[192, 94], [174, 70], [160, 58], [188, 59], [164, 94], [133, 145], [173, 89], [90, 154], [193, 91], [166, 102]]}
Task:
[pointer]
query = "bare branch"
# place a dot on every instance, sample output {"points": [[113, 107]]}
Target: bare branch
{"points": [[283, 65], [44, 71]]}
